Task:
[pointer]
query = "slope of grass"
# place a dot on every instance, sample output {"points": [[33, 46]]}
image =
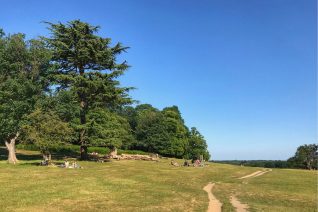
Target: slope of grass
{"points": [[148, 186]]}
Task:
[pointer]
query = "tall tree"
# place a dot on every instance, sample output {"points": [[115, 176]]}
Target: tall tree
{"points": [[177, 131], [151, 133], [24, 67], [88, 66], [197, 145], [306, 157]]}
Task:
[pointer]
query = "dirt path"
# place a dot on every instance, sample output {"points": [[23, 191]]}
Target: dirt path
{"points": [[262, 173], [255, 174], [240, 207], [214, 204]]}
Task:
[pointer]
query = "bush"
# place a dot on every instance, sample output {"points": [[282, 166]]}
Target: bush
{"points": [[30, 147], [134, 152], [64, 149]]}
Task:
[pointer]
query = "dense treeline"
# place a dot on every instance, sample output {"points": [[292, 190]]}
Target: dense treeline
{"points": [[163, 132], [306, 157], [257, 163], [64, 89]]}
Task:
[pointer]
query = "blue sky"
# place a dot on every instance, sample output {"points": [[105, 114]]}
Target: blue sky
{"points": [[242, 71]]}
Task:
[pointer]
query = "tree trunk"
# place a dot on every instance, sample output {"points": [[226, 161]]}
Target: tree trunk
{"points": [[308, 164], [84, 154], [83, 149], [10, 144], [113, 152], [83, 110]]}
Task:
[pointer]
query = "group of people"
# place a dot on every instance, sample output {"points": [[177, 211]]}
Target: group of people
{"points": [[66, 164], [74, 165], [195, 163]]}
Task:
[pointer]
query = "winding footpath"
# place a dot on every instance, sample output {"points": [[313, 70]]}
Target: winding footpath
{"points": [[216, 206], [240, 207]]}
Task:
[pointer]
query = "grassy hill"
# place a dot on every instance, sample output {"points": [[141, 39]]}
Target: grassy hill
{"points": [[149, 186]]}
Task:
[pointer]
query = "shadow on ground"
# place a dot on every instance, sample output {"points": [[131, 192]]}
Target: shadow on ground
{"points": [[33, 155], [20, 155]]}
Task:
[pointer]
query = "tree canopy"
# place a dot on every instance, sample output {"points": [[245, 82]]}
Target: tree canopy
{"points": [[65, 89], [24, 69], [164, 132], [87, 65], [306, 157], [46, 131]]}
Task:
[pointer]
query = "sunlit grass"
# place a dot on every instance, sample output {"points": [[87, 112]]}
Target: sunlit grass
{"points": [[150, 186]]}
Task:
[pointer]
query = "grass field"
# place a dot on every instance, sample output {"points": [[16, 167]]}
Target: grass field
{"points": [[149, 186]]}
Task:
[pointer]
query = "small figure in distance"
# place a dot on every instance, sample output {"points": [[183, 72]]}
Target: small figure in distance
{"points": [[174, 163], [197, 163], [66, 164], [186, 163], [76, 166]]}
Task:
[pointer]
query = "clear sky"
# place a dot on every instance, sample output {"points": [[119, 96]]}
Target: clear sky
{"points": [[242, 71]]}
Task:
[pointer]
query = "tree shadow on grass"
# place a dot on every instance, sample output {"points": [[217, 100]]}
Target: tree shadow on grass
{"points": [[33, 158], [21, 155], [3, 153], [27, 155]]}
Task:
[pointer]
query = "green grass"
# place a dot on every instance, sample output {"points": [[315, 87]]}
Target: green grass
{"points": [[148, 186]]}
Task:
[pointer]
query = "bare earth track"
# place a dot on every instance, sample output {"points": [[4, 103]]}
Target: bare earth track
{"points": [[255, 174], [216, 206]]}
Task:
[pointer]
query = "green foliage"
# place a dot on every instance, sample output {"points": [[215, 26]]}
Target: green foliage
{"points": [[17, 98], [64, 104], [176, 130], [72, 77], [164, 132], [24, 66], [87, 66], [127, 151], [66, 150], [76, 45], [45, 130], [24, 146], [105, 128], [129, 113], [197, 145], [306, 157], [71, 149], [150, 132], [257, 163]]}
